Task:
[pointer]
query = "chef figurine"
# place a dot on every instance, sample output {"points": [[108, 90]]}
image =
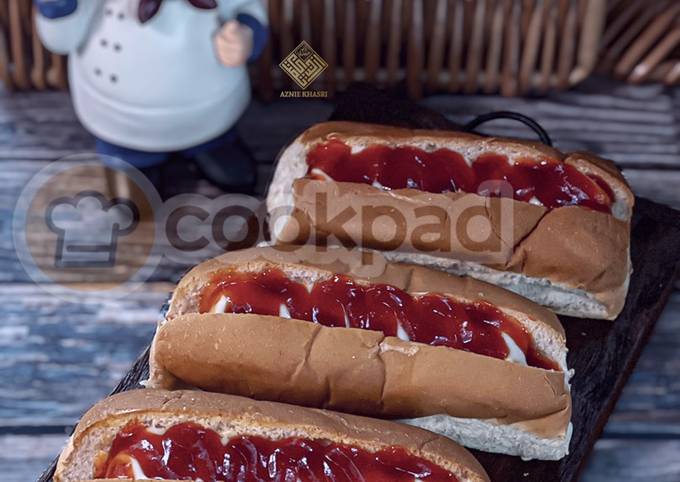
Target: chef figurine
{"points": [[151, 78]]}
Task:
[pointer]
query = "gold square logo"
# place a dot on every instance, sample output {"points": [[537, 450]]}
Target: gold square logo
{"points": [[303, 65]]}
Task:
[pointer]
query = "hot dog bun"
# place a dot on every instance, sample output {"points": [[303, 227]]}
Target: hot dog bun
{"points": [[479, 401], [572, 259], [232, 416]]}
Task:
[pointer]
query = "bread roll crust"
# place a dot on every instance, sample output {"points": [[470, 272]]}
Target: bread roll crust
{"points": [[362, 265], [356, 371], [530, 259], [362, 371], [249, 417]]}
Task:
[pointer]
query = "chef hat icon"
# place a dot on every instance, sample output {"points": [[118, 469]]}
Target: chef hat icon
{"points": [[88, 227]]}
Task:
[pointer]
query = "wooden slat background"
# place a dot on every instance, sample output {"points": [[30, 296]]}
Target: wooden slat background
{"points": [[56, 357], [432, 45]]}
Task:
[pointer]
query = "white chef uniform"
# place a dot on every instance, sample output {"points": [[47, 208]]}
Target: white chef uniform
{"points": [[157, 86]]}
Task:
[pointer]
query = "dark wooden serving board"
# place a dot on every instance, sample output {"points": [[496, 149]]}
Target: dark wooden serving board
{"points": [[602, 353]]}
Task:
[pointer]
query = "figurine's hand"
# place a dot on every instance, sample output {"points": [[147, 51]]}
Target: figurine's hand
{"points": [[234, 44]]}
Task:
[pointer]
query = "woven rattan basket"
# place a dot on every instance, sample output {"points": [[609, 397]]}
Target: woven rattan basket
{"points": [[508, 46], [24, 63], [642, 41]]}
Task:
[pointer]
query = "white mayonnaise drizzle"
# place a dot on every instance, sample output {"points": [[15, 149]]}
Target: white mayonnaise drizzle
{"points": [[401, 333], [137, 471], [515, 353], [319, 173], [283, 311], [221, 305], [156, 430]]}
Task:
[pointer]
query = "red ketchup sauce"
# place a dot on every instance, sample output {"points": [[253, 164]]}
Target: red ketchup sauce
{"points": [[553, 183], [190, 451], [433, 319]]}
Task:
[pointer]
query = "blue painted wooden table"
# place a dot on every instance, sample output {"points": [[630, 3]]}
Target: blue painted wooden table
{"points": [[57, 357]]}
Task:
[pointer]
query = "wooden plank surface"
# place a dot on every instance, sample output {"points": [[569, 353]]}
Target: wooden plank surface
{"points": [[23, 457], [613, 460], [650, 404], [604, 353], [637, 126], [635, 461], [49, 343]]}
